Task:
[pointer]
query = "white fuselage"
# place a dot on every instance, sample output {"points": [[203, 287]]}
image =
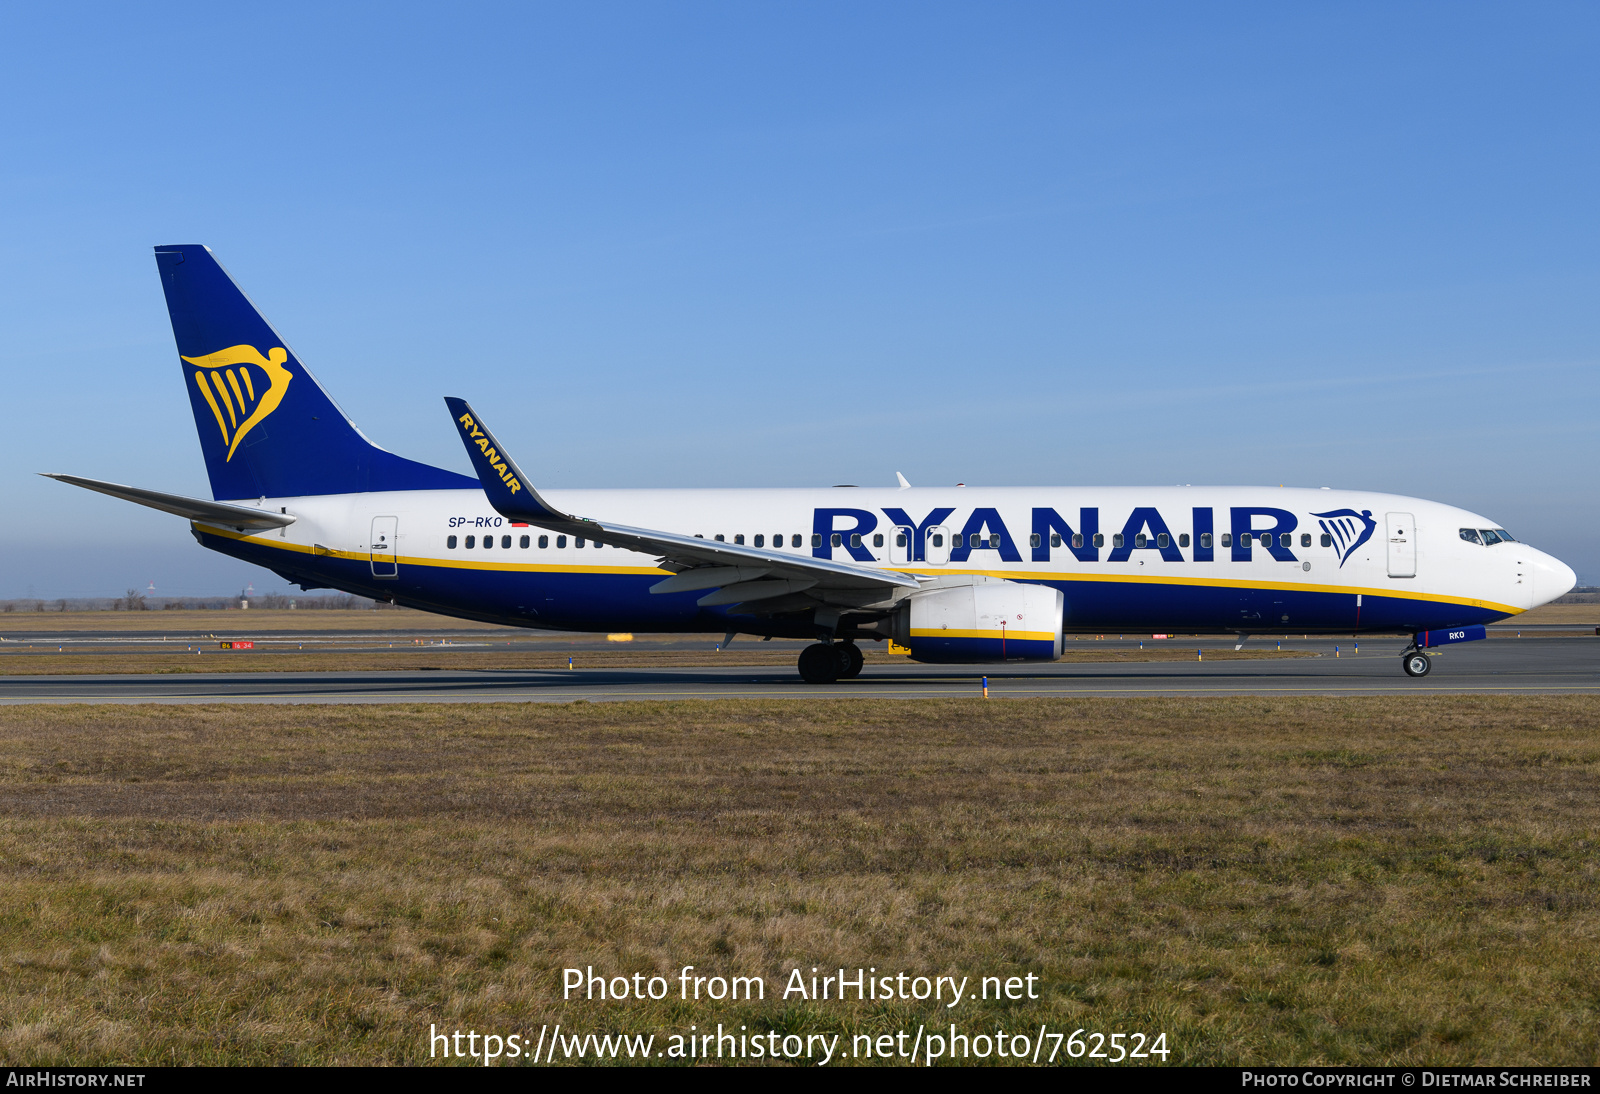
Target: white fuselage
{"points": [[1171, 557]]}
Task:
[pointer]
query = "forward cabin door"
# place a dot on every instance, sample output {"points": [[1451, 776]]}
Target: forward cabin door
{"points": [[1402, 545], [382, 551]]}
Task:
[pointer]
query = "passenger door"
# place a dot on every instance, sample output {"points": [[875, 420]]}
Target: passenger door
{"points": [[1402, 545], [382, 551]]}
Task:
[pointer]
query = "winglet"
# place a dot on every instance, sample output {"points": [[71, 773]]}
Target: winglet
{"points": [[503, 481], [904, 485]]}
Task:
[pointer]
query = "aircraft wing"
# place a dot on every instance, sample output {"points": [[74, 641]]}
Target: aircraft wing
{"points": [[220, 513], [737, 573]]}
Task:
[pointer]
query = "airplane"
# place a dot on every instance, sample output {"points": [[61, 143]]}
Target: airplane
{"points": [[954, 575]]}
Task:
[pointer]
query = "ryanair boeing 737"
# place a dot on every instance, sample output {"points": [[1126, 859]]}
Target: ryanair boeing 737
{"points": [[957, 575]]}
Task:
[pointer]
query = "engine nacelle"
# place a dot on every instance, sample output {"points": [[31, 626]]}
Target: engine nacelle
{"points": [[988, 620]]}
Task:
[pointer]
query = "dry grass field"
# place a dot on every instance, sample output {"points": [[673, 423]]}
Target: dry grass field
{"points": [[1316, 881]]}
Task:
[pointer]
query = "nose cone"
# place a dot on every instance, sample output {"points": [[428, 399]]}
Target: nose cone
{"points": [[1555, 578]]}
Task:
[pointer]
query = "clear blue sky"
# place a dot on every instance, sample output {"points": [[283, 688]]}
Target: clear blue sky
{"points": [[786, 244]]}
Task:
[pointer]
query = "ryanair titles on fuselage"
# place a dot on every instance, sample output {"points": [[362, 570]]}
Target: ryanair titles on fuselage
{"points": [[1145, 529], [848, 532]]}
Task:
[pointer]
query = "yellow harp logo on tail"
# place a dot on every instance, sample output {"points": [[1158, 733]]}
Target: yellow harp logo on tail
{"points": [[238, 399]]}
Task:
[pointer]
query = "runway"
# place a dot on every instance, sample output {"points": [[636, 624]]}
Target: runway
{"points": [[1527, 666]]}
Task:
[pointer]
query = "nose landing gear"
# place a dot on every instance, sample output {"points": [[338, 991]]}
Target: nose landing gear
{"points": [[1415, 662]]}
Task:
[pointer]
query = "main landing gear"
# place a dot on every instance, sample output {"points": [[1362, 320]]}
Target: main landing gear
{"points": [[824, 663], [1415, 662]]}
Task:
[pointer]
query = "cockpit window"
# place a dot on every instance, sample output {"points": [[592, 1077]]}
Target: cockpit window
{"points": [[1505, 535], [1490, 537], [1471, 535]]}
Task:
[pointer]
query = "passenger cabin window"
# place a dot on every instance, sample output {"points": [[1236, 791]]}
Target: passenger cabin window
{"points": [[505, 542], [938, 540], [718, 538], [994, 540], [1244, 539], [899, 539], [488, 542], [836, 540], [450, 542], [877, 540], [523, 543], [1284, 540], [1327, 540], [795, 542], [739, 539], [470, 541], [578, 541], [544, 542], [1055, 539], [1077, 540], [855, 540], [1116, 540], [561, 541], [1305, 539], [1227, 539], [1163, 540], [1099, 540], [1034, 540], [1183, 539], [759, 541], [1141, 540], [1205, 540]]}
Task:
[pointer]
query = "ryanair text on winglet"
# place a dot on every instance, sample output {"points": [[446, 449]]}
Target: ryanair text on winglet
{"points": [[470, 427]]}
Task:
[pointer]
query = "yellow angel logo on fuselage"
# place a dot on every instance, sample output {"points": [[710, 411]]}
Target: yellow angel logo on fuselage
{"points": [[228, 388]]}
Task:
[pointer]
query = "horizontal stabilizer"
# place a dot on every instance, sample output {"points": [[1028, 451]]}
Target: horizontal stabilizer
{"points": [[220, 513]]}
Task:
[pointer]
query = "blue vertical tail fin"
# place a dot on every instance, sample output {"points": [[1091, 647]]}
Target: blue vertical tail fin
{"points": [[267, 428]]}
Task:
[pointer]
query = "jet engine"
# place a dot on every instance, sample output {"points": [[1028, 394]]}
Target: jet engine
{"points": [[982, 620]]}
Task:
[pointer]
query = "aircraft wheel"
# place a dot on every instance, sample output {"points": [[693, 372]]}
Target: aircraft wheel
{"points": [[850, 660], [1416, 663], [819, 664]]}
